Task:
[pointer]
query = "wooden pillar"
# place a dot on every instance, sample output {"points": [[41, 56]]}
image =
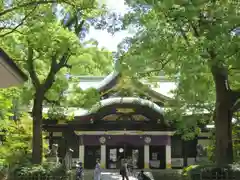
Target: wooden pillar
{"points": [[146, 156], [81, 151], [168, 156], [103, 156]]}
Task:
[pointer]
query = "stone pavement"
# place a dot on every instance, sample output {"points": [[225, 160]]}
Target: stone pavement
{"points": [[108, 174], [117, 176]]}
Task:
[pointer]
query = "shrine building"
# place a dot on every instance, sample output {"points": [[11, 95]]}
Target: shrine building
{"points": [[123, 126], [10, 74]]}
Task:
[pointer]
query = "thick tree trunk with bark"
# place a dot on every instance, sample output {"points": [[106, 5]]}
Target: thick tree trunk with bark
{"points": [[224, 149], [223, 120], [37, 128], [57, 63]]}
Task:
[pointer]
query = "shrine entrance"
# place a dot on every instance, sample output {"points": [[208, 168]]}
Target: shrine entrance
{"points": [[132, 154], [92, 153]]}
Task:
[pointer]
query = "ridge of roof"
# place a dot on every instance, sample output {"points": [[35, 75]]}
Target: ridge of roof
{"points": [[111, 81]]}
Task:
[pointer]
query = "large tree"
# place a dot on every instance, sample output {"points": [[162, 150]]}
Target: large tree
{"points": [[195, 44], [50, 46], [14, 14]]}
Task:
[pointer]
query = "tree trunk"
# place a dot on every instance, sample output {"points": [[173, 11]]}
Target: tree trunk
{"points": [[37, 128], [224, 149], [223, 121]]}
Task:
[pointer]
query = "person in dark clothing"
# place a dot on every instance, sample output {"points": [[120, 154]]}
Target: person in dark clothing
{"points": [[79, 171], [124, 171], [142, 176], [130, 166]]}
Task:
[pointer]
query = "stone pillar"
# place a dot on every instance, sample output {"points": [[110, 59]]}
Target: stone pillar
{"points": [[146, 156], [81, 154], [103, 156], [52, 156], [168, 156]]}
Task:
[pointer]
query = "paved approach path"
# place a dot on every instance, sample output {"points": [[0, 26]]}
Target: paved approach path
{"points": [[114, 174], [117, 176]]}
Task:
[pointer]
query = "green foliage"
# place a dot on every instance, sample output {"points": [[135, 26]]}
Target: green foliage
{"points": [[236, 145], [196, 172], [44, 38], [187, 171], [16, 147], [84, 98], [17, 144], [12, 136], [177, 37], [17, 141], [44, 171]]}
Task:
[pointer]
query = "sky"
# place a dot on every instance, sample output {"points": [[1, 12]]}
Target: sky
{"points": [[104, 38]]}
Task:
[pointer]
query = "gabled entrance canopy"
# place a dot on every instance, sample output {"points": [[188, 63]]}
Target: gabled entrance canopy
{"points": [[128, 108], [10, 74]]}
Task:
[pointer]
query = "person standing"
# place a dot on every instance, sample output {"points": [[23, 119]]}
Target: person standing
{"points": [[79, 171], [124, 171], [130, 166], [97, 170]]}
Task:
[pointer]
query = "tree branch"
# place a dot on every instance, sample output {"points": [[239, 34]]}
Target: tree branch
{"points": [[74, 21], [194, 28], [79, 27], [33, 3], [163, 64], [68, 66], [56, 102], [63, 61], [55, 67], [20, 24], [235, 98], [184, 36], [31, 69], [146, 73]]}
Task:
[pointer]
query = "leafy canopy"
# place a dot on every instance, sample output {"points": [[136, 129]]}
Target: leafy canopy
{"points": [[178, 37], [45, 37], [15, 129]]}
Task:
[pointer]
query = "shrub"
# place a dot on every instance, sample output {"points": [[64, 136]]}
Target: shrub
{"points": [[16, 147], [196, 172], [236, 145], [46, 172], [3, 169]]}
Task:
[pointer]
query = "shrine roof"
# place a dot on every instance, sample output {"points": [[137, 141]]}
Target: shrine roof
{"points": [[159, 86], [11, 74], [127, 100]]}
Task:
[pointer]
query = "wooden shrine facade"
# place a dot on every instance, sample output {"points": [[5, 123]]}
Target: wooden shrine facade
{"points": [[123, 128], [122, 131]]}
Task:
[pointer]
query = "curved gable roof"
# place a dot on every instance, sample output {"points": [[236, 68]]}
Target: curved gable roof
{"points": [[109, 81], [112, 79], [127, 100]]}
